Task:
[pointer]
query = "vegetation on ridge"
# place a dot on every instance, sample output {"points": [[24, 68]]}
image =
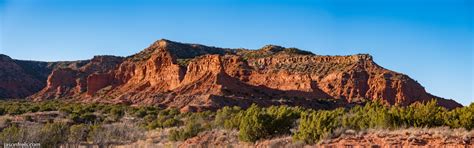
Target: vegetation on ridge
{"points": [[106, 124]]}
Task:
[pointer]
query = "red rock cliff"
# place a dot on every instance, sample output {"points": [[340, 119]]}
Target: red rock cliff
{"points": [[195, 77]]}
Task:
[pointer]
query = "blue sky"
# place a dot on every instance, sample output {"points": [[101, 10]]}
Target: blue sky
{"points": [[431, 41]]}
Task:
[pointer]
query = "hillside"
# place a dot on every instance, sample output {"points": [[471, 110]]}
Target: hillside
{"points": [[20, 78], [195, 77]]}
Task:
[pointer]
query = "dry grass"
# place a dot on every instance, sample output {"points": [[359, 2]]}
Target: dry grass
{"points": [[225, 138], [436, 132]]}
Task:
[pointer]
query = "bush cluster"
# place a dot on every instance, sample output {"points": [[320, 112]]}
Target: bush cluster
{"points": [[315, 125], [257, 123], [54, 134], [102, 123], [164, 119], [194, 124], [309, 125]]}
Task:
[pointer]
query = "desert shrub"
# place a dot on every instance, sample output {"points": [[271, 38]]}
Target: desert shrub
{"points": [[34, 108], [460, 117], [75, 117], [15, 133], [11, 134], [53, 134], [116, 112], [203, 118], [283, 119], [165, 118], [226, 114], [90, 118], [117, 133], [191, 129], [78, 133], [254, 124], [258, 123], [48, 106], [169, 112], [234, 121], [163, 122], [372, 115], [154, 124], [18, 107], [315, 125], [149, 118], [15, 108], [183, 62], [65, 109], [87, 118], [140, 113], [418, 115], [171, 122], [97, 135], [194, 124]]}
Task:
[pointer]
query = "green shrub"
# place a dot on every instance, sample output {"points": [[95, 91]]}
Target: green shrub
{"points": [[48, 106], [144, 111], [163, 122], [88, 118], [258, 123], [418, 115], [234, 121], [254, 124], [171, 122], [169, 112], [65, 109], [190, 130], [15, 110], [194, 124], [140, 113], [154, 124], [372, 115], [116, 113], [224, 115], [460, 117], [149, 118], [33, 109], [12, 134], [283, 119], [316, 125]]}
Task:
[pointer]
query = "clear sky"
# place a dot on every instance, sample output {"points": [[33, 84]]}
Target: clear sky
{"points": [[432, 41]]}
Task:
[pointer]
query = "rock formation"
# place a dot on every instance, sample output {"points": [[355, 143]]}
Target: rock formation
{"points": [[19, 79], [195, 77]]}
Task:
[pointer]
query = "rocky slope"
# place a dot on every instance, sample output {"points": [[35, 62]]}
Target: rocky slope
{"points": [[195, 77], [19, 79]]}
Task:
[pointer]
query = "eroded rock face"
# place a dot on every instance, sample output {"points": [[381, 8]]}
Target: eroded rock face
{"points": [[195, 77], [95, 82], [77, 80], [15, 82]]}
